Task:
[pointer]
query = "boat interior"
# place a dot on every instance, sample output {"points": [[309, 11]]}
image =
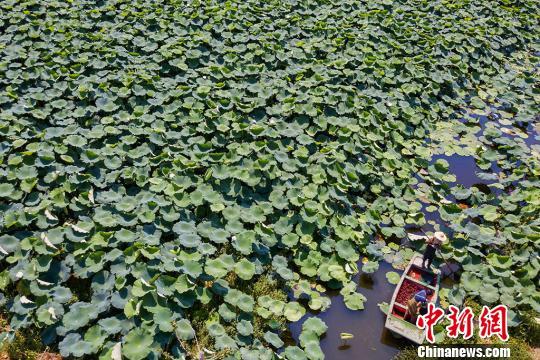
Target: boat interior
{"points": [[415, 280]]}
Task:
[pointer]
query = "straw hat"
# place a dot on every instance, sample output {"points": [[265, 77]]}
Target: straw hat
{"points": [[439, 235]]}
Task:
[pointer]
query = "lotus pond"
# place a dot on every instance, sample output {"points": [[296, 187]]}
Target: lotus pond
{"points": [[200, 179]]}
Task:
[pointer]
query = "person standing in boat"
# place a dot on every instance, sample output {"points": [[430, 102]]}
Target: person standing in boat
{"points": [[433, 244]]}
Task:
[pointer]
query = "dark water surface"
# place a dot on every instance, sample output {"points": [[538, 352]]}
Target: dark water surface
{"points": [[464, 168], [371, 339]]}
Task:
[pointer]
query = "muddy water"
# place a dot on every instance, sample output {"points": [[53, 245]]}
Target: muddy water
{"points": [[371, 340]]}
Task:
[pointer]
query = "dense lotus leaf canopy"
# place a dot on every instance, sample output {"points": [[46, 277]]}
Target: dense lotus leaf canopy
{"points": [[174, 168]]}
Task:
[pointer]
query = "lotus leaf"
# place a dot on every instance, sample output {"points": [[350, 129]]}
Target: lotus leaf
{"points": [[8, 244], [137, 344], [73, 344], [184, 330], [315, 325], [370, 267], [273, 339], [354, 301], [245, 328], [245, 269], [293, 311], [393, 277]]}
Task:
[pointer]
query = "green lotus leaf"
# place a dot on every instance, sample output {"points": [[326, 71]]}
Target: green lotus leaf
{"points": [[477, 102], [163, 318], [293, 311], [50, 312], [521, 255], [489, 212], [273, 339], [8, 244], [471, 282], [192, 268], [243, 242], [244, 269], [276, 307], [79, 315], [61, 294], [489, 294], [311, 345], [127, 204], [226, 312], [315, 325], [125, 235], [354, 301], [184, 330], [294, 353], [472, 263], [183, 284], [165, 285], [137, 344], [219, 236], [216, 329], [204, 295], [347, 251], [290, 240], [319, 303], [225, 342], [60, 103], [26, 172], [244, 328], [499, 261], [393, 277], [111, 325], [96, 337], [6, 190], [219, 267], [370, 267], [236, 297], [440, 166], [106, 104], [74, 345], [185, 227], [189, 240]]}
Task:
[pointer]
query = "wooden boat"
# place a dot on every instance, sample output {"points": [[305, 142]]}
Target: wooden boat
{"points": [[417, 278]]}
